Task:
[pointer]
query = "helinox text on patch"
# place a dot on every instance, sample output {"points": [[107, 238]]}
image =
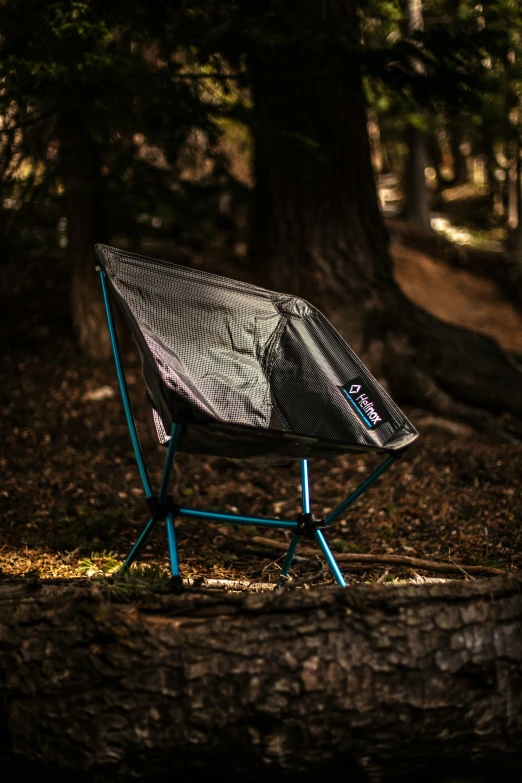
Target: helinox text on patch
{"points": [[363, 401]]}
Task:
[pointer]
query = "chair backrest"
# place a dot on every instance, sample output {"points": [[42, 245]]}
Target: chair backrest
{"points": [[218, 349]]}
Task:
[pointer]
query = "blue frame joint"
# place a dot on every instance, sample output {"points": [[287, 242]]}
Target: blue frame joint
{"points": [[158, 510], [307, 524]]}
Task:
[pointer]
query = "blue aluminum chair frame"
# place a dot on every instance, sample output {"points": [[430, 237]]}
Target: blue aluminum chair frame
{"points": [[162, 506]]}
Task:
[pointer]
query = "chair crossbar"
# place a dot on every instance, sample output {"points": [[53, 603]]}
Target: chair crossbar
{"points": [[282, 524], [163, 508], [360, 490]]}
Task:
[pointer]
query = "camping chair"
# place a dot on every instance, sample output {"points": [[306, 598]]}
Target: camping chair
{"points": [[220, 359]]}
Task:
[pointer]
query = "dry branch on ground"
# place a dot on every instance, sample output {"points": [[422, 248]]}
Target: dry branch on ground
{"points": [[397, 560]]}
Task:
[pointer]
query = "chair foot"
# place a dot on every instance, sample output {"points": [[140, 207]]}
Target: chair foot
{"points": [[281, 581], [176, 585]]}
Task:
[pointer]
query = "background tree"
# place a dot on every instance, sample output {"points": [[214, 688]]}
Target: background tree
{"points": [[317, 226], [102, 102], [96, 109], [417, 197]]}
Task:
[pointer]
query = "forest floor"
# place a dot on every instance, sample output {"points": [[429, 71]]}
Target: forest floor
{"points": [[71, 500]]}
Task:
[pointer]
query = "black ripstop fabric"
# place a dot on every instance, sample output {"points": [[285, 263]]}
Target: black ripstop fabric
{"points": [[223, 357]]}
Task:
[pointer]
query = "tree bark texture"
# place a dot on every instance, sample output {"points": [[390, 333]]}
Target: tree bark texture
{"points": [[373, 682], [315, 207], [318, 232], [80, 167]]}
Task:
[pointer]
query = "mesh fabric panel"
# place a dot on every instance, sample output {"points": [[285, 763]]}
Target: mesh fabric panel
{"points": [[221, 356]]}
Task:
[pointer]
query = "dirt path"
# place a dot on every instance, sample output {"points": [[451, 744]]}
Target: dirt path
{"points": [[458, 296]]}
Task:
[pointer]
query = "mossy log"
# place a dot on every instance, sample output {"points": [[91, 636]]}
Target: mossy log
{"points": [[372, 682]]}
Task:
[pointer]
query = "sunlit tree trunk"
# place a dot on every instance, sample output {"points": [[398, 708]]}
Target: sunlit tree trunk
{"points": [[417, 197]]}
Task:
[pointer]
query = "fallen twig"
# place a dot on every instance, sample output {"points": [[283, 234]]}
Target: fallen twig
{"points": [[230, 584], [398, 560]]}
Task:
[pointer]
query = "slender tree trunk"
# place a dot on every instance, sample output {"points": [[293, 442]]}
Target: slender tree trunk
{"points": [[374, 134], [318, 232], [495, 187], [435, 154], [80, 165], [358, 684], [460, 165], [512, 199], [515, 235], [417, 197]]}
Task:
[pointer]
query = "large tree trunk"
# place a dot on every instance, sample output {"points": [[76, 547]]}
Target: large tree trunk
{"points": [[318, 231], [316, 224], [374, 682], [80, 167]]}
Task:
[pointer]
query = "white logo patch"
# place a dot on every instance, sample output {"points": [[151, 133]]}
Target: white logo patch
{"points": [[364, 401]]}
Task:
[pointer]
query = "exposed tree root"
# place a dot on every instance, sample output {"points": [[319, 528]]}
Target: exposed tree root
{"points": [[458, 373]]}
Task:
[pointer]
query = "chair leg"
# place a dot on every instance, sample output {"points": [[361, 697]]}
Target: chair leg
{"points": [[330, 559], [120, 372], [136, 549], [169, 463], [360, 489], [288, 561], [175, 581], [305, 503]]}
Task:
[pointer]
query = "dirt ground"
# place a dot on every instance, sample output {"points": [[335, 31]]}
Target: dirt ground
{"points": [[71, 500], [458, 297]]}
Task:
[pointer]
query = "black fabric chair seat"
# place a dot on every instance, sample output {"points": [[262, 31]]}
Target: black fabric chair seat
{"points": [[219, 352]]}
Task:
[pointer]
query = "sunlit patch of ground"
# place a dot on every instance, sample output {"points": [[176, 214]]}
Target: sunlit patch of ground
{"points": [[46, 564], [492, 238]]}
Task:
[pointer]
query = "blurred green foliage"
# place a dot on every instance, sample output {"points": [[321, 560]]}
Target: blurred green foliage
{"points": [[128, 74]]}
